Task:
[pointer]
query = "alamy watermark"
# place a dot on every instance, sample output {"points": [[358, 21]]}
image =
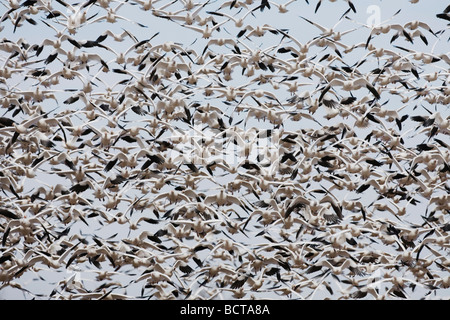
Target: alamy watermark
{"points": [[201, 146], [374, 19]]}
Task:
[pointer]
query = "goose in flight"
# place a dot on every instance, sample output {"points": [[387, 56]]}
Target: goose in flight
{"points": [[351, 6], [351, 85], [329, 32], [445, 15]]}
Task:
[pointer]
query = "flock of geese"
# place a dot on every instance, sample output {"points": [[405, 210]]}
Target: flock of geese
{"points": [[231, 158]]}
